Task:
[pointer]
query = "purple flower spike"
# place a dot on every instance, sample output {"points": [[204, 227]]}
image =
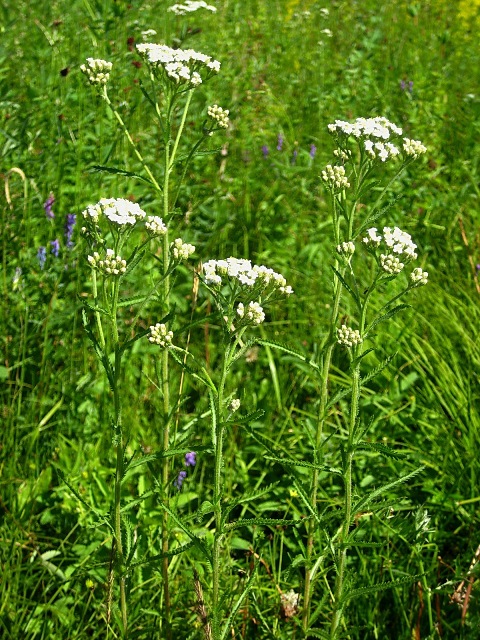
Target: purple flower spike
{"points": [[410, 86], [265, 150], [180, 478], [280, 142], [190, 459], [41, 256], [55, 244], [313, 150], [294, 157], [48, 204], [69, 226], [403, 85]]}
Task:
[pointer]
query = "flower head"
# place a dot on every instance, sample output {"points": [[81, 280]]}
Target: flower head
{"points": [[234, 405], [109, 265], [55, 247], [97, 71], [70, 223], [219, 115], [418, 277], [159, 334], [41, 256], [189, 6], [181, 250], [155, 226], [120, 211], [190, 459], [413, 148], [335, 177], [348, 337], [179, 66], [180, 479], [48, 204]]}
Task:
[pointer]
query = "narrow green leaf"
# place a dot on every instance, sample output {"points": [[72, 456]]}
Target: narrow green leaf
{"points": [[99, 168], [363, 502], [301, 463], [381, 586], [195, 539], [381, 448], [133, 503], [153, 560], [378, 369], [346, 285], [228, 623], [387, 316], [265, 522]]}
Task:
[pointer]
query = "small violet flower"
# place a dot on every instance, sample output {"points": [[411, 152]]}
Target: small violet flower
{"points": [[48, 204], [41, 256], [70, 222], [280, 142], [180, 478], [265, 150], [313, 150], [55, 244], [190, 459]]}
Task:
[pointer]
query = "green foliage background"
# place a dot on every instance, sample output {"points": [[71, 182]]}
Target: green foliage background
{"points": [[281, 74]]}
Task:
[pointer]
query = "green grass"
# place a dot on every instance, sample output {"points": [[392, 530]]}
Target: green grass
{"points": [[280, 75]]}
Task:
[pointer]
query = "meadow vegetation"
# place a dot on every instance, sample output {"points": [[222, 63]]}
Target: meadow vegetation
{"points": [[214, 482]]}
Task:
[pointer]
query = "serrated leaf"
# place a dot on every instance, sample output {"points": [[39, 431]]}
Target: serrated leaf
{"points": [[251, 495], [205, 508], [246, 418], [153, 560], [270, 522], [229, 621], [381, 586], [346, 285], [128, 302], [301, 463], [136, 501], [287, 349], [387, 316], [378, 369], [99, 168], [195, 539], [363, 502], [381, 448]]}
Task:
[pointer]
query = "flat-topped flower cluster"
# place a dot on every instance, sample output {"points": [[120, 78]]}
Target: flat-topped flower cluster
{"points": [[181, 66], [398, 249], [189, 6], [97, 71], [373, 135], [117, 210], [219, 115], [110, 265], [246, 274]]}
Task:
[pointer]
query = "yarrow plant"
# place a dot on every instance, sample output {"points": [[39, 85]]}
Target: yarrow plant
{"points": [[118, 233], [190, 6], [363, 146]]}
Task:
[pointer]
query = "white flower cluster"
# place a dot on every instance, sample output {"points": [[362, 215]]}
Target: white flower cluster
{"points": [[220, 115], [335, 176], [391, 264], [149, 33], [234, 405], [346, 249], [378, 127], [400, 242], [343, 154], [155, 226], [348, 337], [117, 210], [419, 277], [190, 6], [97, 71], [111, 265], [160, 335], [181, 250], [254, 312], [413, 148], [245, 273], [179, 65], [384, 150]]}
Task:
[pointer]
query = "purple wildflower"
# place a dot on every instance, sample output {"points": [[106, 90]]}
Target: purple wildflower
{"points": [[295, 154], [478, 267], [55, 244], [190, 459], [280, 142], [41, 256], [313, 150], [265, 150], [403, 85], [410, 86], [180, 478], [69, 226], [48, 204]]}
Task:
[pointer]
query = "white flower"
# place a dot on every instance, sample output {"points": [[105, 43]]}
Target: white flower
{"points": [[181, 250], [234, 405], [97, 71], [220, 115], [413, 148], [155, 226], [346, 249], [343, 154], [400, 242], [160, 335], [255, 313], [327, 32], [378, 127], [117, 210], [179, 65], [335, 176], [190, 6], [419, 277], [110, 265], [348, 337], [246, 274], [373, 238], [391, 264], [149, 33]]}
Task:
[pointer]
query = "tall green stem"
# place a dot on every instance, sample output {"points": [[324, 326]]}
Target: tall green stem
{"points": [[218, 492]]}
